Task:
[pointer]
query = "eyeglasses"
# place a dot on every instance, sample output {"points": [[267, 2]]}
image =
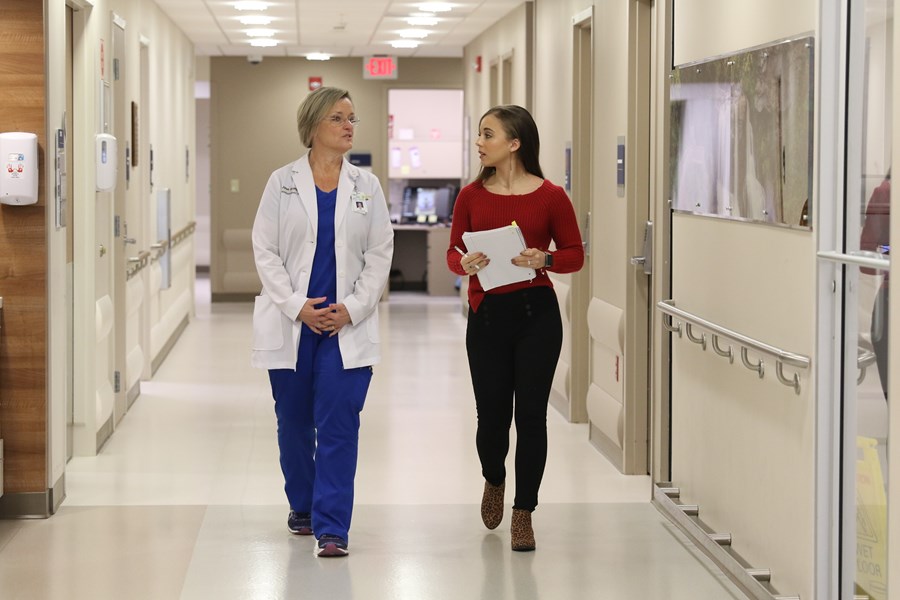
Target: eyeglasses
{"points": [[338, 120]]}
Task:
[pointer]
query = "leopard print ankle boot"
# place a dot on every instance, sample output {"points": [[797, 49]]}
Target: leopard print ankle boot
{"points": [[492, 504], [521, 533]]}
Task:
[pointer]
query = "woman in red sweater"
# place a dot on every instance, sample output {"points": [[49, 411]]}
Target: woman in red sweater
{"points": [[876, 238], [514, 332]]}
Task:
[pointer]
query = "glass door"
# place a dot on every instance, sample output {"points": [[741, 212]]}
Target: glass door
{"points": [[864, 548], [854, 270]]}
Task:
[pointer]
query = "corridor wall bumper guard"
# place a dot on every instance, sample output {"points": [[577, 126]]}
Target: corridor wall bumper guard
{"points": [[678, 321], [754, 582]]}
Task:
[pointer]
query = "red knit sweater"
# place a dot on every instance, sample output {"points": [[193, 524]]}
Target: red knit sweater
{"points": [[544, 215]]}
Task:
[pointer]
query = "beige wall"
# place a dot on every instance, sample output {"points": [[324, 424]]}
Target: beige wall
{"points": [[167, 119], [505, 39], [254, 131], [743, 447], [706, 28], [553, 81]]}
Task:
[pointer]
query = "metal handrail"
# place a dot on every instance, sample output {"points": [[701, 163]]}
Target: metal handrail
{"points": [[136, 264], [183, 233], [782, 357], [862, 258], [157, 249]]}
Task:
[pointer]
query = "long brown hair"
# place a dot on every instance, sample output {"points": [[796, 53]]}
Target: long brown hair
{"points": [[518, 124]]}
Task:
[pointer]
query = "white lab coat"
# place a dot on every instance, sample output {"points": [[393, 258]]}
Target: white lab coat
{"points": [[284, 244]]}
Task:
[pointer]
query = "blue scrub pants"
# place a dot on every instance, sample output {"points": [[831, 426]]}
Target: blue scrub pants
{"points": [[317, 408]]}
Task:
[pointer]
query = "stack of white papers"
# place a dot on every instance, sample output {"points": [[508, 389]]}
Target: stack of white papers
{"points": [[500, 245]]}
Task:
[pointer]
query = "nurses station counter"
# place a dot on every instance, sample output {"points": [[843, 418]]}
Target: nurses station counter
{"points": [[420, 260]]}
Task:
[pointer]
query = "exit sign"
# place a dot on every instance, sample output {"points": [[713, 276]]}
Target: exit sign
{"points": [[380, 67]]}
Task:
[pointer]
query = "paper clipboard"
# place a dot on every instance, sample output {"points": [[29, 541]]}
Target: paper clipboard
{"points": [[500, 245]]}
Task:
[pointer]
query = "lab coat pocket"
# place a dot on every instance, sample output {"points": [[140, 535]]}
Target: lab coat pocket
{"points": [[267, 330]]}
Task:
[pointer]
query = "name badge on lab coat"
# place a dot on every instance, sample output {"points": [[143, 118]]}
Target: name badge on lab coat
{"points": [[359, 202]]}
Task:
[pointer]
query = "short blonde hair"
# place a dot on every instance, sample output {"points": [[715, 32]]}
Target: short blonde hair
{"points": [[314, 108]]}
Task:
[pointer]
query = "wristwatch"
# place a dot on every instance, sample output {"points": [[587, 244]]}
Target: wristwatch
{"points": [[548, 260]]}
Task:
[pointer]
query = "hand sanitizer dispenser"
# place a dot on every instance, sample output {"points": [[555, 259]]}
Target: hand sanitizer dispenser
{"points": [[106, 162], [19, 164]]}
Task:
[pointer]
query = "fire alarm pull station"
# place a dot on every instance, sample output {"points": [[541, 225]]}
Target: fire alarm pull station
{"points": [[19, 164]]}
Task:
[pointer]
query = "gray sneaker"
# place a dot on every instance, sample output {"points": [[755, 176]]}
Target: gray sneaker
{"points": [[300, 523], [331, 545]]}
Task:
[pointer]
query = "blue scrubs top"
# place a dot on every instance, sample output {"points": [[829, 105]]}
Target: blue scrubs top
{"points": [[323, 280]]}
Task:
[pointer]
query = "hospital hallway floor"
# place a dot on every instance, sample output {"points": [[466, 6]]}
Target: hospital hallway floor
{"points": [[186, 501]]}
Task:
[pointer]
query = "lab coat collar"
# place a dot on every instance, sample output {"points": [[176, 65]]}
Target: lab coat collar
{"points": [[301, 173]]}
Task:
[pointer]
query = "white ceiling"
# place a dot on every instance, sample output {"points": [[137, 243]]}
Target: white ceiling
{"points": [[336, 27]]}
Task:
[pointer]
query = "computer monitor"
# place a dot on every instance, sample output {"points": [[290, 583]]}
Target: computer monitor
{"points": [[427, 205]]}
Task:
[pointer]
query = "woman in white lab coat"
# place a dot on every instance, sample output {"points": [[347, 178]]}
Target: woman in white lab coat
{"points": [[323, 244]]}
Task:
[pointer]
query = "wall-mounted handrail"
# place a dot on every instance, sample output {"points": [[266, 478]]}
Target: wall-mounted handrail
{"points": [[729, 354], [182, 234], [782, 357], [159, 247], [136, 264]]}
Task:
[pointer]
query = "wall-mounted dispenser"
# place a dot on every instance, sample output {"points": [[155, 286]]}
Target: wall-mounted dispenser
{"points": [[19, 164], [106, 162]]}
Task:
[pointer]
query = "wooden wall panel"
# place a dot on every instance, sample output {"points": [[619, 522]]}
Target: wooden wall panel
{"points": [[23, 259]]}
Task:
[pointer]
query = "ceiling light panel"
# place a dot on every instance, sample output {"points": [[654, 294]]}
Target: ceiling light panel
{"points": [[417, 34], [250, 5], [255, 20], [280, 16], [435, 7], [423, 21]]}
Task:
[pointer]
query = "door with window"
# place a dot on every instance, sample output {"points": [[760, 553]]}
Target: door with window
{"points": [[855, 282]]}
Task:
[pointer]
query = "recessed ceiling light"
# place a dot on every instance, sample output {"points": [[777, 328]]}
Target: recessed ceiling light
{"points": [[250, 5], [434, 7], [405, 44], [318, 56], [413, 33], [259, 32], [255, 20], [263, 43], [423, 21]]}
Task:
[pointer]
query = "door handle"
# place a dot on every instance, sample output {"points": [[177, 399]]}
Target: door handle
{"points": [[646, 261]]}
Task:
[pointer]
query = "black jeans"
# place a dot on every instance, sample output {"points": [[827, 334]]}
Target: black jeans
{"points": [[513, 343]]}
